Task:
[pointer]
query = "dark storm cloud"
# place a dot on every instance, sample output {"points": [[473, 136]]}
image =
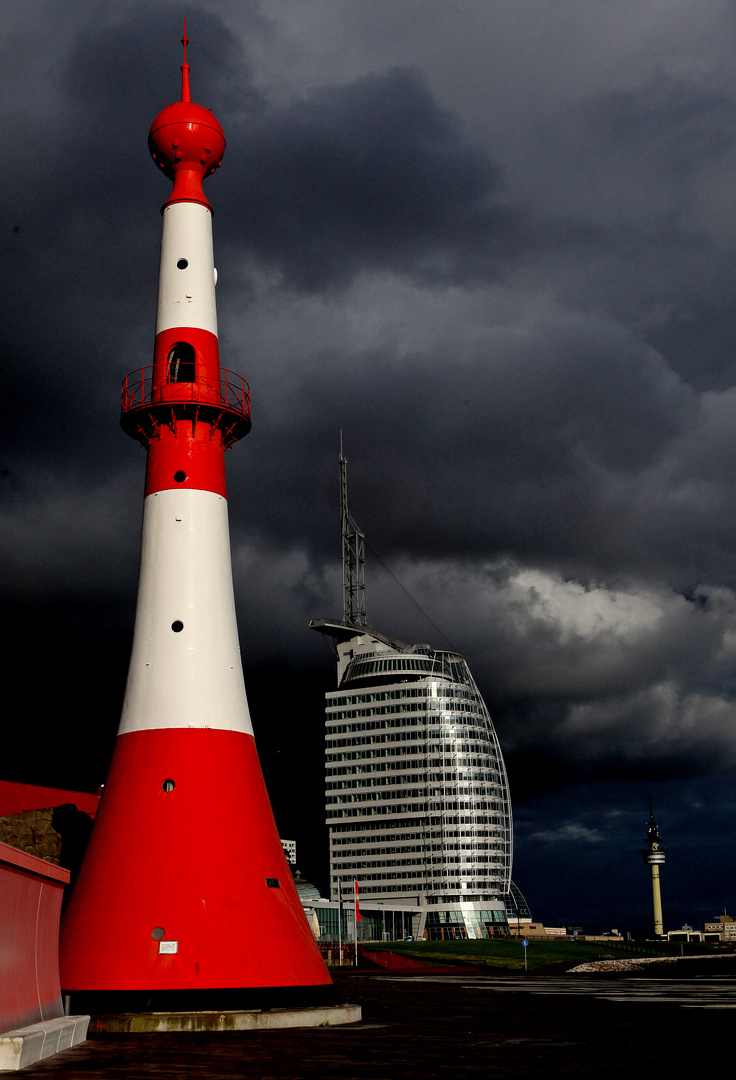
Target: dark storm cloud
{"points": [[574, 446], [532, 443], [373, 175], [583, 679], [672, 126], [648, 169]]}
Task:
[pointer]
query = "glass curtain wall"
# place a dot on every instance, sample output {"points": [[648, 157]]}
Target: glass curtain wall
{"points": [[417, 796]]}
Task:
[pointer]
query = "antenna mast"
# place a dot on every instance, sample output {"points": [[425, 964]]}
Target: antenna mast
{"points": [[353, 556]]}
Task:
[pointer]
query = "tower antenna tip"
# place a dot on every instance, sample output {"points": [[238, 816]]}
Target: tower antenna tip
{"points": [[185, 93]]}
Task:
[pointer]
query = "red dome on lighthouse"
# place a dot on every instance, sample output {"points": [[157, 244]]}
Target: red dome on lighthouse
{"points": [[186, 142]]}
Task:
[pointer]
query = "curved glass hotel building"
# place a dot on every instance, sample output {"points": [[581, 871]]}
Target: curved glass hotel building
{"points": [[417, 798]]}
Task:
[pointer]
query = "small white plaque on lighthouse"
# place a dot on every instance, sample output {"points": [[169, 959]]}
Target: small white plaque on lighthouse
{"points": [[168, 947]]}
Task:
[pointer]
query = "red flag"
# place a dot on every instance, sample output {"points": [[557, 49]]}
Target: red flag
{"points": [[358, 916]]}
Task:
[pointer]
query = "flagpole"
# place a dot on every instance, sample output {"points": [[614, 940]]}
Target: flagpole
{"points": [[357, 919], [339, 919]]}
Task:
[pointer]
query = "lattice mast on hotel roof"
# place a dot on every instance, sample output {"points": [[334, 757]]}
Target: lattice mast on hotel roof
{"points": [[353, 556]]}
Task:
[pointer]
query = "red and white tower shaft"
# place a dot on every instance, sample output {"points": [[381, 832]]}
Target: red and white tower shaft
{"points": [[185, 896]]}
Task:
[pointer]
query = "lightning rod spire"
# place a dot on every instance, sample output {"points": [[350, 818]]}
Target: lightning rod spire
{"points": [[185, 93]]}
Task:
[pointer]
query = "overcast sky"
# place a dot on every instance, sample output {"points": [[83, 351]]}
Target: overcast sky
{"points": [[494, 243]]}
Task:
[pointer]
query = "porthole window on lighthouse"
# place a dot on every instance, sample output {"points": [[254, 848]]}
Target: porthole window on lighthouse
{"points": [[182, 264], [181, 363]]}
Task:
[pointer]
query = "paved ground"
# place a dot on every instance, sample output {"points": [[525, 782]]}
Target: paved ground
{"points": [[450, 1026], [705, 993]]}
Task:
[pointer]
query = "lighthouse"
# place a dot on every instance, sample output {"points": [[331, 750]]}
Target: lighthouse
{"points": [[185, 899]]}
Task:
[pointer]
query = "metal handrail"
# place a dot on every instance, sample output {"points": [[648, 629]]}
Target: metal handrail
{"points": [[230, 391]]}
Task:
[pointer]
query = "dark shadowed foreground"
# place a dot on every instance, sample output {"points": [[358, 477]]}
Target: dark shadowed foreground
{"points": [[450, 1025]]}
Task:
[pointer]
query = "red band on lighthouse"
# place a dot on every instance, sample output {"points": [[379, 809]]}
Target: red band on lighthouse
{"points": [[186, 455], [187, 452], [180, 871]]}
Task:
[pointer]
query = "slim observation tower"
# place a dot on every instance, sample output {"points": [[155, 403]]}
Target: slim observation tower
{"points": [[653, 855], [185, 899]]}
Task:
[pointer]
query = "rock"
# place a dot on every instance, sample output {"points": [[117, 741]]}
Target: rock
{"points": [[33, 831]]}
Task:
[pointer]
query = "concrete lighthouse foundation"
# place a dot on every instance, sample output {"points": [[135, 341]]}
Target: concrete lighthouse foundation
{"points": [[172, 912]]}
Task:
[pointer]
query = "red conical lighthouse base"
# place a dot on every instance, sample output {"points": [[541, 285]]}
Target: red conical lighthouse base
{"points": [[185, 900], [186, 897]]}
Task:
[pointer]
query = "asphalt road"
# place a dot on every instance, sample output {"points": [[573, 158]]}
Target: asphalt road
{"points": [[450, 1026]]}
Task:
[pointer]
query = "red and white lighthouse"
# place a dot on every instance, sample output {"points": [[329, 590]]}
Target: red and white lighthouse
{"points": [[185, 898]]}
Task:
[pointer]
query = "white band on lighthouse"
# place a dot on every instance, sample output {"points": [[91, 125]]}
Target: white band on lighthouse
{"points": [[186, 284], [185, 668]]}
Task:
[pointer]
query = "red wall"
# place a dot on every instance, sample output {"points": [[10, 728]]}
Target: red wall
{"points": [[15, 798], [30, 906]]}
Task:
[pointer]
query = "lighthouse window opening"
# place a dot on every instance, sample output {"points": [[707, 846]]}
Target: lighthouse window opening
{"points": [[272, 883], [180, 476], [181, 363], [177, 626], [182, 264], [157, 933], [168, 785]]}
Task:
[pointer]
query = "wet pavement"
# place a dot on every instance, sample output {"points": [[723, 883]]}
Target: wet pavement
{"points": [[448, 1026]]}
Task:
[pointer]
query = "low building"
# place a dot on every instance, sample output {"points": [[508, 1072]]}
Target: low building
{"points": [[404, 922], [289, 847], [378, 922], [524, 928], [686, 934], [724, 926]]}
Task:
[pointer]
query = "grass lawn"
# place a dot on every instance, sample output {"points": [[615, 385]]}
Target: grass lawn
{"points": [[508, 953]]}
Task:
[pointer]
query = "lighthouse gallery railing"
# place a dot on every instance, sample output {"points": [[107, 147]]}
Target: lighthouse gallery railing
{"points": [[147, 401]]}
